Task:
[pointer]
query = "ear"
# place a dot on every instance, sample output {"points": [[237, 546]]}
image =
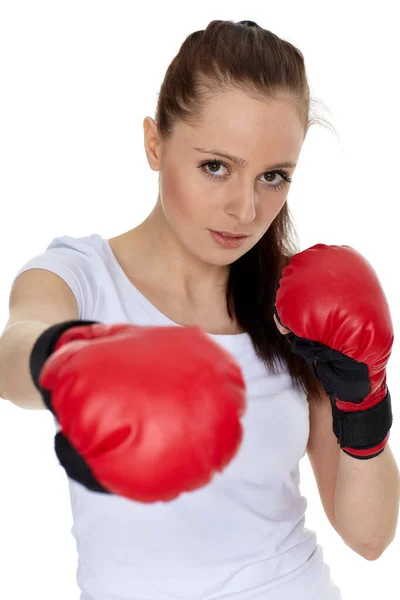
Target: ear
{"points": [[283, 330], [152, 143]]}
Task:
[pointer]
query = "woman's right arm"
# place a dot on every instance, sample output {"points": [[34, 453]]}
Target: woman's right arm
{"points": [[38, 299]]}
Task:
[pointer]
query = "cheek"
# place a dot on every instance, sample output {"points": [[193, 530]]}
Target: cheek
{"points": [[179, 197], [268, 210], [272, 206]]}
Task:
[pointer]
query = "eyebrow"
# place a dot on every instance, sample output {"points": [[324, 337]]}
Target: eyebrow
{"points": [[242, 163]]}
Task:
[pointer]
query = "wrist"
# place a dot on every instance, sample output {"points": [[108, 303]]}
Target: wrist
{"points": [[363, 433], [44, 347]]}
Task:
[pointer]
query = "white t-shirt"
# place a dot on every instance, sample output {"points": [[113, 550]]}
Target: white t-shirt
{"points": [[242, 536]]}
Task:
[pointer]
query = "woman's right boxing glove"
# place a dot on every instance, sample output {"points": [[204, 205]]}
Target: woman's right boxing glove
{"points": [[145, 412]]}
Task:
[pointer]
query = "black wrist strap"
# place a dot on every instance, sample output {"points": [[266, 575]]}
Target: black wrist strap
{"points": [[43, 347], [363, 429]]}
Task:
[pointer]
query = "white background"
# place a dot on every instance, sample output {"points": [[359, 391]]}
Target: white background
{"points": [[77, 80]]}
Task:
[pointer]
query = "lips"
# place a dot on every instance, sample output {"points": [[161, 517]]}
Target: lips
{"points": [[232, 235], [228, 242]]}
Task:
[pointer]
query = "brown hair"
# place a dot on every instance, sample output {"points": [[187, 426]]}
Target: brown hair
{"points": [[246, 57]]}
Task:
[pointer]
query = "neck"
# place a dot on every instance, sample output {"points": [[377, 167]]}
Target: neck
{"points": [[167, 263]]}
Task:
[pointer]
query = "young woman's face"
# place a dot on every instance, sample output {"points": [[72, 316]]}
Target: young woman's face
{"points": [[223, 196]]}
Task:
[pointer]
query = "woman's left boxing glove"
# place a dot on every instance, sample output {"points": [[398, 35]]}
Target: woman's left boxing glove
{"points": [[331, 300]]}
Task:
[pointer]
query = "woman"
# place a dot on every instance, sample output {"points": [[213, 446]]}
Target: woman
{"points": [[210, 254]]}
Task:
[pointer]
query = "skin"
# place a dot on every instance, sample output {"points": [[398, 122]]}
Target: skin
{"points": [[180, 254], [282, 329]]}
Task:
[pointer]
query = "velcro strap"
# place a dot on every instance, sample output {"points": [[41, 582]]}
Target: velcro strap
{"points": [[363, 429]]}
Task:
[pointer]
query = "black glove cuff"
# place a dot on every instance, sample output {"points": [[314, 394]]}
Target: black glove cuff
{"points": [[365, 428], [43, 347]]}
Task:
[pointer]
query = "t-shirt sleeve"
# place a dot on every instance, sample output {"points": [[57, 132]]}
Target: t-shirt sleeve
{"points": [[72, 259]]}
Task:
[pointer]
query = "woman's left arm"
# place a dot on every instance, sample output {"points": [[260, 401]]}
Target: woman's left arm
{"points": [[331, 307], [367, 501]]}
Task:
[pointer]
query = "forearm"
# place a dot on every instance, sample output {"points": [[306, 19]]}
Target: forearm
{"points": [[16, 383], [367, 501]]}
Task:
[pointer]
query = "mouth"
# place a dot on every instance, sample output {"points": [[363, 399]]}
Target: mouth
{"points": [[230, 235], [226, 241]]}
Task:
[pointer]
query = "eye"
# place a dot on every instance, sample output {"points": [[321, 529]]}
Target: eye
{"points": [[284, 177]]}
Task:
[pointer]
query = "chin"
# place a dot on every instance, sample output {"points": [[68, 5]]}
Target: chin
{"points": [[227, 257]]}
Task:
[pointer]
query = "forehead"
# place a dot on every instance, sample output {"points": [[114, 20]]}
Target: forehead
{"points": [[240, 124]]}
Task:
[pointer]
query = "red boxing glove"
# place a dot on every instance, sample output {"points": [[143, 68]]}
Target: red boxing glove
{"points": [[145, 412], [339, 319]]}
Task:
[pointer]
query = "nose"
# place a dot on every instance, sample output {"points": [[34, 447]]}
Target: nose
{"points": [[242, 206]]}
